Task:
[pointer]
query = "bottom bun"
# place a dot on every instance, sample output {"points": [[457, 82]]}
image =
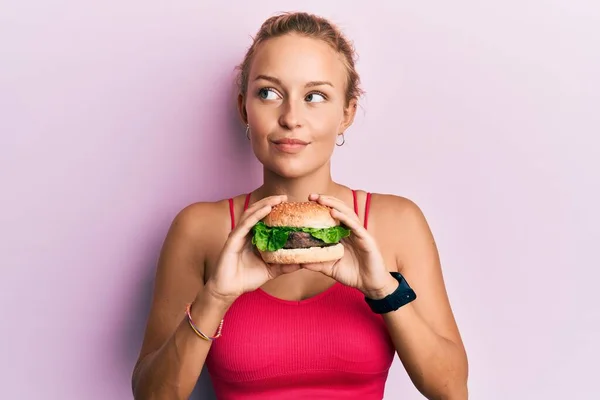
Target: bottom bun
{"points": [[303, 256]]}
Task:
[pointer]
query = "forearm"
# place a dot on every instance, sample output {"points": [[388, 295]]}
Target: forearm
{"points": [[436, 365], [172, 371]]}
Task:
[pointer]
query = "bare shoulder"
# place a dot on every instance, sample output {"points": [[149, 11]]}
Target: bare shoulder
{"points": [[196, 227], [396, 212], [195, 215], [196, 220], [402, 225]]}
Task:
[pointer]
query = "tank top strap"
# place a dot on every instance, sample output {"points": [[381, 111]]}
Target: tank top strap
{"points": [[232, 209], [232, 213], [355, 201], [367, 206], [247, 201]]}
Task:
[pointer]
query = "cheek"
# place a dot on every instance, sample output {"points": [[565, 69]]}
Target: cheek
{"points": [[261, 114], [254, 111], [324, 120], [261, 118]]}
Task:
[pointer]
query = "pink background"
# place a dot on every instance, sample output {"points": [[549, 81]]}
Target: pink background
{"points": [[116, 114]]}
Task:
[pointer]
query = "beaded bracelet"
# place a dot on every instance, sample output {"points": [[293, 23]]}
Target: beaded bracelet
{"points": [[198, 331]]}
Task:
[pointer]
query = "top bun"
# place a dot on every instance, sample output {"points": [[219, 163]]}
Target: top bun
{"points": [[301, 215]]}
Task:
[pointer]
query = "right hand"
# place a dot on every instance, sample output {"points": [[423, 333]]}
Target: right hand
{"points": [[240, 268]]}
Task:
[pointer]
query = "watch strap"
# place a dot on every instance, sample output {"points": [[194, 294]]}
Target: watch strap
{"points": [[403, 295]]}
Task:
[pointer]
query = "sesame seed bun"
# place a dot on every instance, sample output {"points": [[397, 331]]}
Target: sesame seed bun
{"points": [[301, 215]]}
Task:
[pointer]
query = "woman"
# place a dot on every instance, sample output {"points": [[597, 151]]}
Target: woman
{"points": [[299, 331]]}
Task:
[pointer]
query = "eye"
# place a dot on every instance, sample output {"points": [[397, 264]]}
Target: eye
{"points": [[315, 97], [267, 94]]}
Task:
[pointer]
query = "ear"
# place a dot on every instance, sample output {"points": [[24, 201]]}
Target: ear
{"points": [[241, 105], [349, 114]]}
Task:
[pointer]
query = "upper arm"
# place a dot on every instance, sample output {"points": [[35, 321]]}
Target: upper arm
{"points": [[179, 275], [419, 262]]}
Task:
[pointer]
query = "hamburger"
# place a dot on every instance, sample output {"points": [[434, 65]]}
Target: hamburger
{"points": [[299, 233]]}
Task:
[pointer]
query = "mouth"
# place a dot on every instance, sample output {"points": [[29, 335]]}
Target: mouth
{"points": [[289, 145], [290, 141]]}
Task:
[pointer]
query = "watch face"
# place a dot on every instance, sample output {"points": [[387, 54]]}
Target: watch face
{"points": [[401, 296]]}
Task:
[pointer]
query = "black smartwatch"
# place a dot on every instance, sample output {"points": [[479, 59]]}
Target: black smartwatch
{"points": [[400, 297]]}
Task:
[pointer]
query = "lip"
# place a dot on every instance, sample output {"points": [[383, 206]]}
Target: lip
{"points": [[289, 141], [289, 145]]}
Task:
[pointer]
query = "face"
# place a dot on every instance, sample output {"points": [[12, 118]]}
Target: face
{"points": [[295, 104]]}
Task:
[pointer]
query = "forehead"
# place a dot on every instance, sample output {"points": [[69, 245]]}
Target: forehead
{"points": [[296, 60]]}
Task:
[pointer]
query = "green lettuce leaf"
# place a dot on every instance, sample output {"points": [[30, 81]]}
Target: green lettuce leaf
{"points": [[267, 238]]}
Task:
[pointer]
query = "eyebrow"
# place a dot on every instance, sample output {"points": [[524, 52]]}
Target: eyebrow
{"points": [[278, 82]]}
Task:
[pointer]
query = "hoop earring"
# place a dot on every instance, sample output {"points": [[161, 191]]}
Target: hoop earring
{"points": [[248, 131], [343, 140]]}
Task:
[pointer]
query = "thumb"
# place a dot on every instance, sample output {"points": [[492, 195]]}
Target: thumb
{"points": [[322, 267], [276, 270]]}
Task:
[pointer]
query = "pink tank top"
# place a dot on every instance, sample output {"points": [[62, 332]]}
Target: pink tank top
{"points": [[330, 346]]}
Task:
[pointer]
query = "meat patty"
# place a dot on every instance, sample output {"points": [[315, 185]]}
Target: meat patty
{"points": [[303, 240]]}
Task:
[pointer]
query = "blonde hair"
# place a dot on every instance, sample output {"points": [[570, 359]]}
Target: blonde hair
{"points": [[308, 25]]}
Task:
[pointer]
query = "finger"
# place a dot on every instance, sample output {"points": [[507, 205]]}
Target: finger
{"points": [[271, 200], [334, 203], [351, 222], [281, 269], [326, 268], [239, 235]]}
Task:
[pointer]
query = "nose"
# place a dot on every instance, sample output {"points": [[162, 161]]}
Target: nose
{"points": [[290, 115]]}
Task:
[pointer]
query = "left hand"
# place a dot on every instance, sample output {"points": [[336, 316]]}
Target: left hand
{"points": [[362, 266]]}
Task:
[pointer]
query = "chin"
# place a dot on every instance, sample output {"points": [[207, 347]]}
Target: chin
{"points": [[289, 171], [287, 167]]}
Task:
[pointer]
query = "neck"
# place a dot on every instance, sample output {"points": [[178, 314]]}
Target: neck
{"points": [[298, 189]]}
